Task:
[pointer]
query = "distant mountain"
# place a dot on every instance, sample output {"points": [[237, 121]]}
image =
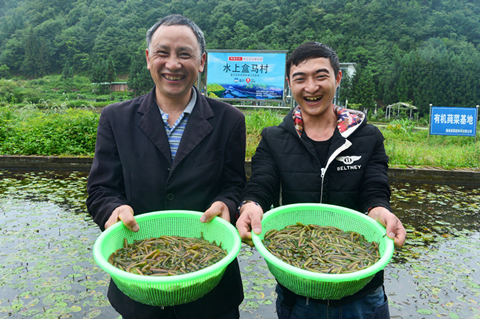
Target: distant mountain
{"points": [[384, 37]]}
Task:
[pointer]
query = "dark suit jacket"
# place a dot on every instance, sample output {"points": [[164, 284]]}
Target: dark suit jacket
{"points": [[133, 166]]}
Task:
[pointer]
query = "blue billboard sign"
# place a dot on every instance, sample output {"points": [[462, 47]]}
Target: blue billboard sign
{"points": [[461, 121], [246, 75]]}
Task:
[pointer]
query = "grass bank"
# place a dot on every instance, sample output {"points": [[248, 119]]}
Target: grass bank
{"points": [[410, 146], [59, 130]]}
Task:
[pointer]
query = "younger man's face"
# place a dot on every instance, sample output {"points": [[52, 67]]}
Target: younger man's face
{"points": [[313, 84]]}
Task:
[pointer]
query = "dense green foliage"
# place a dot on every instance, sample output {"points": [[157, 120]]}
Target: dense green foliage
{"points": [[54, 90], [419, 51], [72, 132], [139, 78], [29, 131]]}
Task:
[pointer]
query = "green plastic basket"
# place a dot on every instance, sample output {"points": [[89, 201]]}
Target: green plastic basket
{"points": [[320, 285], [168, 290]]}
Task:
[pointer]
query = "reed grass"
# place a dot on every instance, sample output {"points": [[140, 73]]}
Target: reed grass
{"points": [[255, 122], [417, 148]]}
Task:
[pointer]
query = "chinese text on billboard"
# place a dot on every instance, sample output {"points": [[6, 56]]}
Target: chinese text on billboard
{"points": [[246, 75], [453, 121]]}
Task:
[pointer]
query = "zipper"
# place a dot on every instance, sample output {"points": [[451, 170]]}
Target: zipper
{"points": [[345, 145]]}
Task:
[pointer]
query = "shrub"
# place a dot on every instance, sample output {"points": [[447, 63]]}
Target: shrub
{"points": [[79, 104], [70, 133], [402, 126], [255, 122]]}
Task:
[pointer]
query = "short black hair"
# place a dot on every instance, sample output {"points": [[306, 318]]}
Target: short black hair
{"points": [[177, 19], [312, 50]]}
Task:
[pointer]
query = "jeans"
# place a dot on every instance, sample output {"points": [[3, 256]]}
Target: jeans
{"points": [[371, 306]]}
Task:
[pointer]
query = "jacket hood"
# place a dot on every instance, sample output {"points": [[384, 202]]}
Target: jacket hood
{"points": [[347, 120]]}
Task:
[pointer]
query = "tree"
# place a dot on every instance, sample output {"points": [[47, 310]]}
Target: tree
{"points": [[36, 55], [363, 88], [98, 74], [65, 71], [70, 44], [71, 73], [4, 71], [345, 88], [139, 78], [110, 72], [12, 53]]}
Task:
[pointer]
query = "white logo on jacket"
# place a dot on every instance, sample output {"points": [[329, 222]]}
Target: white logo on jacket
{"points": [[348, 160]]}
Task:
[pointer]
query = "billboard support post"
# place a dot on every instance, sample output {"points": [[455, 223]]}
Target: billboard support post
{"points": [[477, 122], [429, 121]]}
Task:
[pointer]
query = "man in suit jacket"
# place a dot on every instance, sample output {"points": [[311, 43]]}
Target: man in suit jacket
{"points": [[171, 149]]}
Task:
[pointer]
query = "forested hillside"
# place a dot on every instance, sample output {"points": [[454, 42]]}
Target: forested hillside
{"points": [[420, 51]]}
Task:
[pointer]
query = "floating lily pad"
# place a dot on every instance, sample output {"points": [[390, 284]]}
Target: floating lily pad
{"points": [[44, 223], [424, 311]]}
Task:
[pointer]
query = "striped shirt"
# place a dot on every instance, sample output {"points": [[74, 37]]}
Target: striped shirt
{"points": [[175, 132]]}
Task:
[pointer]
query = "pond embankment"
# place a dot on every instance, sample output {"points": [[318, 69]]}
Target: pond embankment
{"points": [[422, 175]]}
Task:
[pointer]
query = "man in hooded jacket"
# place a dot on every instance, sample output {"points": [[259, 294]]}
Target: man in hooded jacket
{"points": [[321, 153]]}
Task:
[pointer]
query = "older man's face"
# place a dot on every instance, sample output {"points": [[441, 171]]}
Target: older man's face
{"points": [[174, 60]]}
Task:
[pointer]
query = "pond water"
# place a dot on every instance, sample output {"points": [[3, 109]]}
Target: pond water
{"points": [[47, 269]]}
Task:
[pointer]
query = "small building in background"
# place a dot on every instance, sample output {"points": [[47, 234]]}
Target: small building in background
{"points": [[114, 86]]}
